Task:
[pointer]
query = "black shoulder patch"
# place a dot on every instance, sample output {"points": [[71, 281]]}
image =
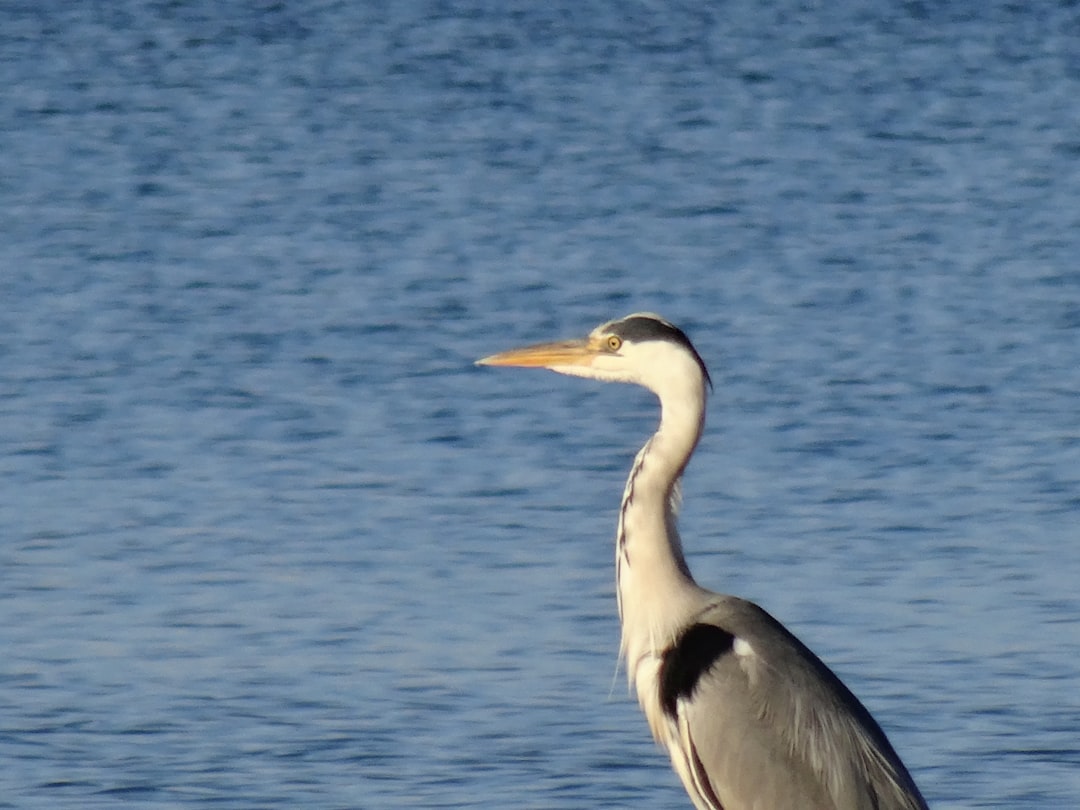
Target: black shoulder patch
{"points": [[688, 659]]}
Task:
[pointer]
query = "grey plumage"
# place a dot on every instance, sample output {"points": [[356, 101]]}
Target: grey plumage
{"points": [[782, 712], [751, 718]]}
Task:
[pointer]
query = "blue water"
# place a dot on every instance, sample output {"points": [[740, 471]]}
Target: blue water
{"points": [[268, 538]]}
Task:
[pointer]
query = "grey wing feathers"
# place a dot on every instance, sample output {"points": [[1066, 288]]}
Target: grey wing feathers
{"points": [[768, 725]]}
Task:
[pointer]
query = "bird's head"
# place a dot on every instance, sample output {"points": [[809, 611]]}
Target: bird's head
{"points": [[641, 348]]}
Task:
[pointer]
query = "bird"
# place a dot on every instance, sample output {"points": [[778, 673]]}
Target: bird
{"points": [[751, 718]]}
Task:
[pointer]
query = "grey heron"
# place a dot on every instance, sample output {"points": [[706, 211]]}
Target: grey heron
{"points": [[751, 718]]}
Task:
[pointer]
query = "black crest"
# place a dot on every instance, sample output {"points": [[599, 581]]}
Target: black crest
{"points": [[641, 328]]}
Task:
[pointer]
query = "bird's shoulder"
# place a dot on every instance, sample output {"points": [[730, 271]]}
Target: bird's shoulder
{"points": [[737, 636], [755, 631], [735, 661], [778, 666]]}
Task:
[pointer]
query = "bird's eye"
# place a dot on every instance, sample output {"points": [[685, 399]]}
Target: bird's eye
{"points": [[614, 342]]}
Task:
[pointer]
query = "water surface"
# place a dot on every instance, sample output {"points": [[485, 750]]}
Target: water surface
{"points": [[270, 539]]}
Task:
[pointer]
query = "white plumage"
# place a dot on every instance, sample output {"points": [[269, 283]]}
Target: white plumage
{"points": [[751, 718]]}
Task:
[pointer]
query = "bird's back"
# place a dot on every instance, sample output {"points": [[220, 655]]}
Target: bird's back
{"points": [[761, 722]]}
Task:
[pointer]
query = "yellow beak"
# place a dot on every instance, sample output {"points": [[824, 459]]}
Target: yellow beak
{"points": [[545, 355]]}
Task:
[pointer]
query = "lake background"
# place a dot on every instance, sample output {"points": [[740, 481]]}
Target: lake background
{"points": [[268, 538]]}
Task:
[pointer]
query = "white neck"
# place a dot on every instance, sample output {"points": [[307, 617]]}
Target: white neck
{"points": [[656, 592]]}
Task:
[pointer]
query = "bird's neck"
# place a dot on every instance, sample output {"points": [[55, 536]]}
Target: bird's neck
{"points": [[656, 591]]}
